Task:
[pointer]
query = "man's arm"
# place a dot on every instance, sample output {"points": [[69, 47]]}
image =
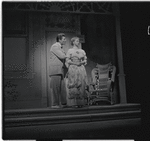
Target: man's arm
{"points": [[58, 52]]}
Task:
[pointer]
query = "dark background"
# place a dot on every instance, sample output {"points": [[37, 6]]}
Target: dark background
{"points": [[135, 19], [99, 46], [134, 22]]}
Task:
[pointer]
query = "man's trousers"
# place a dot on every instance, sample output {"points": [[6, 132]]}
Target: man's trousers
{"points": [[58, 88]]}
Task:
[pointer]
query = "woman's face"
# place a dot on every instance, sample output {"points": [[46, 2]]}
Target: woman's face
{"points": [[76, 42]]}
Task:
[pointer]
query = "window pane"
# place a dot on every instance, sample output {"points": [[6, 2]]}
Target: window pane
{"points": [[15, 54]]}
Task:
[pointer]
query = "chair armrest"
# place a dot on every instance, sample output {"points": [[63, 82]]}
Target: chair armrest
{"points": [[91, 87], [113, 73]]}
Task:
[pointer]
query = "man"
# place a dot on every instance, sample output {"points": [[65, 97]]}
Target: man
{"points": [[56, 72]]}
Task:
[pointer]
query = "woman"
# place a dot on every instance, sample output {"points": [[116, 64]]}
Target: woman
{"points": [[76, 78]]}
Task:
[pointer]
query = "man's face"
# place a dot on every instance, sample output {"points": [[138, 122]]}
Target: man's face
{"points": [[63, 41]]}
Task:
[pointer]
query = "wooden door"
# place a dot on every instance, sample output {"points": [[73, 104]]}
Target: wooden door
{"points": [[50, 40]]}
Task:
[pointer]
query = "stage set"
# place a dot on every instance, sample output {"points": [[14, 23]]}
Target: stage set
{"points": [[29, 30]]}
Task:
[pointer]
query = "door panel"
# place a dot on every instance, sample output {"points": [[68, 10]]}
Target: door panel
{"points": [[50, 40]]}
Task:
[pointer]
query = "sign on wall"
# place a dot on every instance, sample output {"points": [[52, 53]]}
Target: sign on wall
{"points": [[81, 38]]}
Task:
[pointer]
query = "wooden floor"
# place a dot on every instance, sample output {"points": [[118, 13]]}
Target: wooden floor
{"points": [[107, 121]]}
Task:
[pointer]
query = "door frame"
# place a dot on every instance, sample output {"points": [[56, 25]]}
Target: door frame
{"points": [[68, 37]]}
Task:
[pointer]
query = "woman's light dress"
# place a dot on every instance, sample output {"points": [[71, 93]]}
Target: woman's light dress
{"points": [[76, 77]]}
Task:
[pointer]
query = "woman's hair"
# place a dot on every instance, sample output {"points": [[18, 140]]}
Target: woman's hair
{"points": [[59, 36], [73, 39]]}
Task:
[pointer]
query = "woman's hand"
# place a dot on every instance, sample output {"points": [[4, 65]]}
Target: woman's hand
{"points": [[75, 63], [78, 63], [83, 62]]}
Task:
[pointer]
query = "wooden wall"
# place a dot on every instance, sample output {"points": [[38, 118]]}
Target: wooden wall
{"points": [[22, 80]]}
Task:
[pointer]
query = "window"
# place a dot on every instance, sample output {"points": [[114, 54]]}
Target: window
{"points": [[15, 23], [14, 54], [15, 42]]}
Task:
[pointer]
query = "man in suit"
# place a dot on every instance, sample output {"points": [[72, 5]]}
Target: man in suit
{"points": [[56, 72]]}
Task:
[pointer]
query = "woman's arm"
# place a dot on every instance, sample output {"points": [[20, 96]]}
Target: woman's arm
{"points": [[68, 60], [71, 62], [84, 62]]}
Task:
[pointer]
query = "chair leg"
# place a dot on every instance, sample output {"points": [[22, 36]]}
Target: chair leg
{"points": [[112, 98]]}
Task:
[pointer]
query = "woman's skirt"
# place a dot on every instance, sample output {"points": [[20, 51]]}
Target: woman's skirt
{"points": [[76, 82]]}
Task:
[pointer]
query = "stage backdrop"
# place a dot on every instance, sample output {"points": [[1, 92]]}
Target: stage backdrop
{"points": [[26, 80], [100, 42]]}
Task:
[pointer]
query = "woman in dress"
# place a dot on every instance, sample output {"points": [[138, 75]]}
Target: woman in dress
{"points": [[76, 77]]}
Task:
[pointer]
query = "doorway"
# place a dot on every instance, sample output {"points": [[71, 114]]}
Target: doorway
{"points": [[50, 40]]}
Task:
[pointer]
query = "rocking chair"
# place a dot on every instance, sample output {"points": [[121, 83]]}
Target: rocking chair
{"points": [[102, 86]]}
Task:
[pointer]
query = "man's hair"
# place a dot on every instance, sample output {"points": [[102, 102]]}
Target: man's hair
{"points": [[73, 39], [59, 36]]}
